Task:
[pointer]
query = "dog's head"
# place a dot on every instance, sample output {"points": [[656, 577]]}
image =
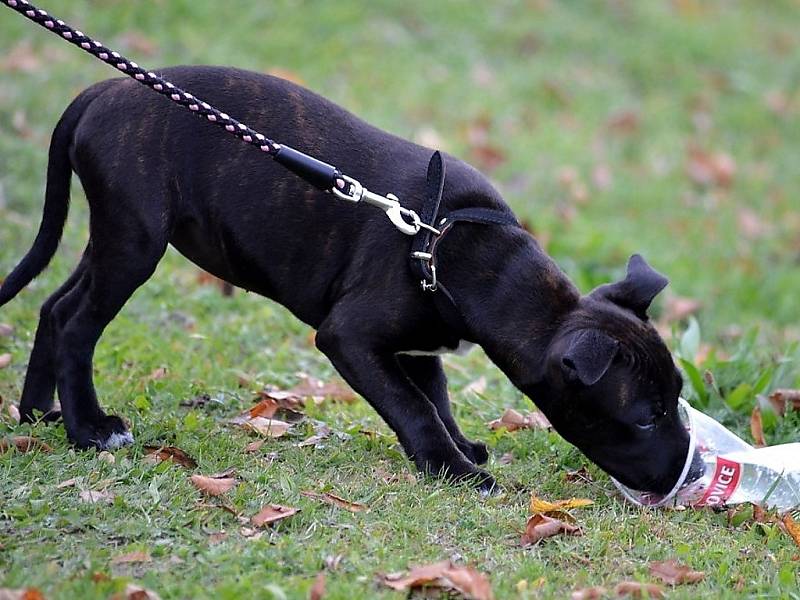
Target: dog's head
{"points": [[610, 385]]}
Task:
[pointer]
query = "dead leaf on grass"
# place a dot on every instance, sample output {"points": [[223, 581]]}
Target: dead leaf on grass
{"points": [[757, 428], [136, 592], [783, 400], [273, 428], [444, 575], [792, 527], [96, 496], [513, 420], [23, 594], [253, 447], [635, 589], [158, 374], [67, 483], [158, 454], [477, 387], [710, 169], [311, 388], [132, 557], [678, 308], [335, 500], [213, 486], [13, 412], [590, 593], [581, 474], [321, 433], [672, 572], [6, 330], [272, 513], [558, 509], [23, 443], [5, 360], [540, 527], [317, 591]]}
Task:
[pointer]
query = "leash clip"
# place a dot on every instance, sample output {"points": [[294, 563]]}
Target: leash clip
{"points": [[390, 204], [427, 257]]}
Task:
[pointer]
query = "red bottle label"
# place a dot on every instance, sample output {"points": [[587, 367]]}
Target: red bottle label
{"points": [[726, 479]]}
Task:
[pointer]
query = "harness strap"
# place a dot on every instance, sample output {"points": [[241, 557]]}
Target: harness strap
{"points": [[426, 242]]}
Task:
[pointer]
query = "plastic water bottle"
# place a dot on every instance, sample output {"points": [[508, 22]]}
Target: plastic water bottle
{"points": [[722, 469]]}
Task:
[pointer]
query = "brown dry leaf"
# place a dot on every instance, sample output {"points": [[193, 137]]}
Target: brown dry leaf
{"points": [[513, 420], [23, 443], [5, 360], [317, 591], [24, 594], [158, 374], [171, 453], [272, 513], [96, 496], [213, 486], [540, 527], [624, 122], [335, 500], [6, 330], [673, 573], [581, 474], [217, 537], [590, 593], [792, 527], [136, 592], [757, 428], [273, 428], [638, 590], [710, 169], [783, 399], [488, 155], [13, 412], [254, 446], [132, 557], [67, 483], [444, 575], [678, 308], [311, 388], [322, 433]]}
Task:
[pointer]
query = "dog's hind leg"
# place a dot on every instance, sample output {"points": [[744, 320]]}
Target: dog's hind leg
{"points": [[428, 375], [40, 379], [122, 258]]}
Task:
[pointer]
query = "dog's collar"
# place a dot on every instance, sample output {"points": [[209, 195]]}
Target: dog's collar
{"points": [[425, 243]]}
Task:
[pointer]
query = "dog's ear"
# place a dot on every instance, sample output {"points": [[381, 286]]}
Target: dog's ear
{"points": [[637, 290], [588, 356]]}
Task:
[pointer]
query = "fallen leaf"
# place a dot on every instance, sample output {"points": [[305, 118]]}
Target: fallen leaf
{"points": [[171, 453], [311, 388], [6, 330], [581, 474], [792, 527], [271, 514], [710, 169], [254, 446], [273, 428], [624, 122], [335, 500], [13, 412], [67, 483], [96, 496], [132, 557], [217, 537], [638, 590], [557, 509], [99, 577], [477, 387], [23, 594], [23, 443], [321, 433], [783, 400], [136, 592], [590, 593], [483, 151], [444, 575], [678, 308], [757, 428], [213, 486], [157, 374], [513, 420], [5, 360], [540, 527], [672, 572], [317, 591]]}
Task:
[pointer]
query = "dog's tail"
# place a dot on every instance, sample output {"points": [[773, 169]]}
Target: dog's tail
{"points": [[56, 199]]}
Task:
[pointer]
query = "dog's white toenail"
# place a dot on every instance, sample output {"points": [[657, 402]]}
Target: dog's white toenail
{"points": [[117, 440]]}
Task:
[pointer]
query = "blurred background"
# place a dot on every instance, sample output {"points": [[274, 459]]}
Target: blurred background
{"points": [[669, 128]]}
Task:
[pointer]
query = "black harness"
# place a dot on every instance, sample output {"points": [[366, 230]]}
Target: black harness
{"points": [[427, 240]]}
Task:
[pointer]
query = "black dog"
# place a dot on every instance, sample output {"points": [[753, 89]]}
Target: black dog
{"points": [[155, 175]]}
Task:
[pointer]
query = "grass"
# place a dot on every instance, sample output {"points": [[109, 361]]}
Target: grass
{"points": [[530, 92]]}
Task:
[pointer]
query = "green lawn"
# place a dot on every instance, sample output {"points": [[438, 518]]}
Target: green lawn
{"points": [[666, 128]]}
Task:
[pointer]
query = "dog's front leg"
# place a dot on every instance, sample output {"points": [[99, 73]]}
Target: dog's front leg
{"points": [[428, 375], [376, 375]]}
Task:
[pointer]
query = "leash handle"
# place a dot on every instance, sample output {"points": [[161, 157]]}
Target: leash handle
{"points": [[319, 174]]}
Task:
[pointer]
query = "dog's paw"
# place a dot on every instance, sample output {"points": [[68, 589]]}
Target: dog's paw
{"points": [[106, 433], [476, 452]]}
